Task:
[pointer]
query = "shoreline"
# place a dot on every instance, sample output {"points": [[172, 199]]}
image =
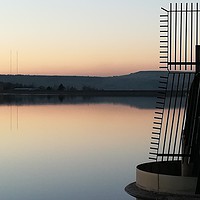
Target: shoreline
{"points": [[98, 93], [92, 93]]}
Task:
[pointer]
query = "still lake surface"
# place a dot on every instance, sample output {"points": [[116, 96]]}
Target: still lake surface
{"points": [[72, 149]]}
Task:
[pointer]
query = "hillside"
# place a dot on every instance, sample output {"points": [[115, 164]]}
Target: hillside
{"points": [[143, 80]]}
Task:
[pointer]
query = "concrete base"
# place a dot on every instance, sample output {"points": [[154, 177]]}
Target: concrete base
{"points": [[162, 180]]}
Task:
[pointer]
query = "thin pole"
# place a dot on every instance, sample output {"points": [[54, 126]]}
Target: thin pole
{"points": [[197, 25], [186, 19], [181, 19], [191, 45], [17, 118], [170, 35], [17, 61], [11, 118], [10, 62], [175, 34]]}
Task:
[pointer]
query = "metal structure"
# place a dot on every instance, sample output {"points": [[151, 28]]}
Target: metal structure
{"points": [[175, 141], [176, 131]]}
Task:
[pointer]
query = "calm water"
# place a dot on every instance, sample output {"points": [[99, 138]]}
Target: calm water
{"points": [[73, 150]]}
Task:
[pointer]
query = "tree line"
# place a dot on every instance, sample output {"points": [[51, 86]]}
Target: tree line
{"points": [[61, 87]]}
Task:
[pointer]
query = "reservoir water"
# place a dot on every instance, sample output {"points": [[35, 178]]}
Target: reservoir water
{"points": [[72, 149]]}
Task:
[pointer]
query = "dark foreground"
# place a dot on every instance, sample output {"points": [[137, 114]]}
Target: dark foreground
{"points": [[137, 192]]}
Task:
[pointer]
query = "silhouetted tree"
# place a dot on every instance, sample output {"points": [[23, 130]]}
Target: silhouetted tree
{"points": [[49, 88], [61, 87]]}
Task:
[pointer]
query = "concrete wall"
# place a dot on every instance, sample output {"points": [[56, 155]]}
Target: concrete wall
{"points": [[158, 182]]}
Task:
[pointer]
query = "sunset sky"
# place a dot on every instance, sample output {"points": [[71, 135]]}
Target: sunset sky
{"points": [[80, 37]]}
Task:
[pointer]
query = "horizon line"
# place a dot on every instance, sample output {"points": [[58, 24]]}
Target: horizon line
{"points": [[20, 74]]}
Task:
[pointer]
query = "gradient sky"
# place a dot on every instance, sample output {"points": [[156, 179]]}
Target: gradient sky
{"points": [[80, 37]]}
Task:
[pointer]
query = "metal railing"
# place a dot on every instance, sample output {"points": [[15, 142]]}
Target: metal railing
{"points": [[179, 41]]}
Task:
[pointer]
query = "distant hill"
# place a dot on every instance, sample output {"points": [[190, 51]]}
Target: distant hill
{"points": [[142, 80]]}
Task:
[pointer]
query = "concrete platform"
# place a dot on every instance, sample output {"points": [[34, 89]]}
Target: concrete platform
{"points": [[162, 180]]}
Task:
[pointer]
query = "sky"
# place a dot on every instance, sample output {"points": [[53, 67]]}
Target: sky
{"points": [[80, 37]]}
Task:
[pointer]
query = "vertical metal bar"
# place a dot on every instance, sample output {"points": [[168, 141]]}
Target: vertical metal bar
{"points": [[186, 19], [181, 19], [175, 36], [170, 39], [191, 45], [197, 24], [179, 114], [173, 114], [184, 113], [168, 114]]}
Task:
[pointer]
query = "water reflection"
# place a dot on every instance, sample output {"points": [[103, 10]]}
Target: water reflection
{"points": [[139, 102], [71, 151]]}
